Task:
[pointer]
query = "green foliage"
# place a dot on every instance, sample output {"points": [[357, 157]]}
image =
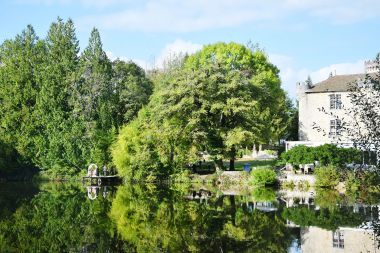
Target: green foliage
{"points": [[330, 219], [61, 110], [264, 194], [329, 198], [327, 154], [59, 219], [299, 155], [145, 148], [216, 100], [363, 180], [291, 133], [327, 176], [153, 219], [263, 176]]}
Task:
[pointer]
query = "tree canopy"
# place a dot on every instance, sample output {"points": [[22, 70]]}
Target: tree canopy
{"points": [[222, 97], [61, 109]]}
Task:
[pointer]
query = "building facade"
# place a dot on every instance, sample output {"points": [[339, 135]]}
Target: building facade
{"points": [[322, 107]]}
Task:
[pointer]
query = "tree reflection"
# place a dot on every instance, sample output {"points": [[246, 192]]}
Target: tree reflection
{"points": [[156, 220], [60, 219]]}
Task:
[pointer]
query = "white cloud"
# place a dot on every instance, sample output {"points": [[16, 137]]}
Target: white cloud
{"points": [[173, 49], [182, 16], [176, 48], [99, 4], [196, 15], [338, 69]]}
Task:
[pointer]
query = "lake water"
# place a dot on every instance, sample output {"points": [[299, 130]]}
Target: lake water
{"points": [[183, 218]]}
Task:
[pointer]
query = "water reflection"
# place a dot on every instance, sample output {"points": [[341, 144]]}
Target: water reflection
{"points": [[184, 218], [168, 221], [105, 191]]}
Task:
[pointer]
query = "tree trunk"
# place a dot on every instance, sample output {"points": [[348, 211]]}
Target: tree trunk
{"points": [[232, 164], [232, 159], [233, 209]]}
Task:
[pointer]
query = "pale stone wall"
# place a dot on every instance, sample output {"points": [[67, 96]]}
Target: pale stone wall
{"points": [[314, 239], [310, 105]]}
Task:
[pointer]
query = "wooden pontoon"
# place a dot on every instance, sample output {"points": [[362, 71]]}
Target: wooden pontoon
{"points": [[94, 178], [101, 180]]}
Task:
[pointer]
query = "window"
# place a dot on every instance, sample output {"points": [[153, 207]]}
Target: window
{"points": [[338, 239], [335, 101], [335, 127]]}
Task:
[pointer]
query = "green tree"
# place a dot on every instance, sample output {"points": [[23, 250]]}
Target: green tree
{"points": [[309, 82], [60, 218], [217, 100], [133, 90], [223, 97], [20, 61], [95, 99], [59, 137], [60, 111]]}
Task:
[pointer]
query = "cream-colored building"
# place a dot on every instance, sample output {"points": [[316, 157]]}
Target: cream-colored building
{"points": [[314, 239], [323, 105]]}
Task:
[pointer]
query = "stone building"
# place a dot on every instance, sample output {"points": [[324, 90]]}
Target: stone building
{"points": [[321, 107]]}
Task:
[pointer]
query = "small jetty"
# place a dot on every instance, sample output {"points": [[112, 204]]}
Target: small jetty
{"points": [[94, 178]]}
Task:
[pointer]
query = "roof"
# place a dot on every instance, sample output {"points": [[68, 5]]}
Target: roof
{"points": [[338, 83]]}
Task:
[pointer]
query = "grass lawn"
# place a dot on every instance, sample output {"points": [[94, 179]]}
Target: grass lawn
{"points": [[253, 163]]}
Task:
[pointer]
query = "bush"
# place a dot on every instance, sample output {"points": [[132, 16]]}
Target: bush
{"points": [[263, 194], [328, 154], [362, 180], [263, 176], [327, 176], [299, 155], [324, 218]]}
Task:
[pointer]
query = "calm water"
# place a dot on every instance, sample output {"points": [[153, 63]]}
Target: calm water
{"points": [[183, 218]]}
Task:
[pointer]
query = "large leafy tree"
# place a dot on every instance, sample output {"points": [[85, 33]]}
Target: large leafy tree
{"points": [[225, 96], [217, 100]]}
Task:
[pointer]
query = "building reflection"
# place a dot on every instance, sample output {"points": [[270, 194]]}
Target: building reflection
{"points": [[361, 238], [344, 239]]}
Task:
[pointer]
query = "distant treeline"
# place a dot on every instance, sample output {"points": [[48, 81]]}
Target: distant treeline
{"points": [[61, 109]]}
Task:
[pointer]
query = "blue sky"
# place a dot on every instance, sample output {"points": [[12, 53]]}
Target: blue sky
{"points": [[302, 37]]}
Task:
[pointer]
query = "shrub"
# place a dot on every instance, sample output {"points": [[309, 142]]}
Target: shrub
{"points": [[370, 179], [327, 176], [324, 218], [352, 182], [328, 154], [263, 176], [362, 180], [264, 194], [299, 155]]}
